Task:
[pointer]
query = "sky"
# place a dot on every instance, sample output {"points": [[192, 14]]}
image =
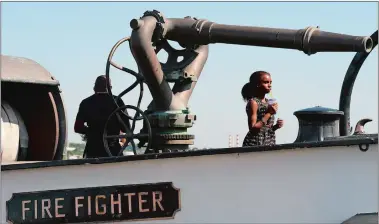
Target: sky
{"points": [[73, 40]]}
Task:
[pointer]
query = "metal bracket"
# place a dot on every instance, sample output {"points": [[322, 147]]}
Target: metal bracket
{"points": [[174, 69], [172, 119], [360, 126], [364, 147]]}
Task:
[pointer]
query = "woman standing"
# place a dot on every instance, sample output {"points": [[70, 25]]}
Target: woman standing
{"points": [[261, 114]]}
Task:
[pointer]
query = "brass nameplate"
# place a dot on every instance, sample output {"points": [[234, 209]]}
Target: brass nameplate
{"points": [[95, 204]]}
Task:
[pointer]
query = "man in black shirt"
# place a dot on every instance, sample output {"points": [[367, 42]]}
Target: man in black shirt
{"points": [[91, 118]]}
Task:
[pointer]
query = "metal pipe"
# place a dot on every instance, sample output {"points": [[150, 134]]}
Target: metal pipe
{"points": [[348, 84], [189, 31], [309, 40]]}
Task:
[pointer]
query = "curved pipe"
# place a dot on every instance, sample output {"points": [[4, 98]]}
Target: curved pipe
{"points": [[148, 63], [348, 84], [163, 97]]}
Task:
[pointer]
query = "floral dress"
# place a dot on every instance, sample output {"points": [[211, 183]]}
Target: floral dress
{"points": [[266, 135]]}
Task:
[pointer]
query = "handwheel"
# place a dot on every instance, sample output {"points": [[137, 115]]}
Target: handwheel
{"points": [[139, 77], [129, 135], [146, 138]]}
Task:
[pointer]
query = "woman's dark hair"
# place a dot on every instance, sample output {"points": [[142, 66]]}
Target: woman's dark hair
{"points": [[249, 89]]}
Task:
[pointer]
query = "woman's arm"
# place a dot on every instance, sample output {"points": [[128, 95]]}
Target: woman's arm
{"points": [[278, 125], [257, 125]]}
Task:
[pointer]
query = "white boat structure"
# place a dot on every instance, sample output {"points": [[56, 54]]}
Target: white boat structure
{"points": [[327, 175]]}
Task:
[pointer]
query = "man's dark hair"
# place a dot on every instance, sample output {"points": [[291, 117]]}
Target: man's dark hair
{"points": [[101, 84]]}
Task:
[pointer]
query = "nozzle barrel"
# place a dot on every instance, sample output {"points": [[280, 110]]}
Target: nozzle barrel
{"points": [[309, 40]]}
